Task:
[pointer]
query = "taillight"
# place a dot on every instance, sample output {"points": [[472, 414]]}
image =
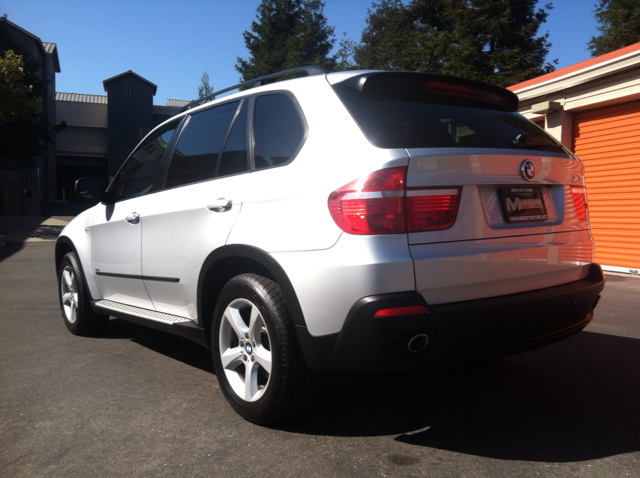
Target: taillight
{"points": [[380, 203], [579, 195], [432, 209]]}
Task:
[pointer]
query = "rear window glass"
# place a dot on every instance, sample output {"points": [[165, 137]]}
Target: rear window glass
{"points": [[279, 130], [407, 114]]}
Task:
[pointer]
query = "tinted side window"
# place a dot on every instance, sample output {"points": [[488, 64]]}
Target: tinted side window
{"points": [[279, 130], [137, 175], [200, 143], [234, 157]]}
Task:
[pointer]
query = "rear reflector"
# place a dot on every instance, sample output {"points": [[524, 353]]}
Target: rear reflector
{"points": [[580, 201], [380, 203], [397, 311]]}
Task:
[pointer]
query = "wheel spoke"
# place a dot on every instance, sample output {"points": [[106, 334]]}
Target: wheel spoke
{"points": [[233, 318], [231, 357], [68, 278], [250, 381], [263, 358], [255, 323]]}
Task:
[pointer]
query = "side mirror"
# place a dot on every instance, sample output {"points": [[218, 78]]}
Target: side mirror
{"points": [[91, 189]]}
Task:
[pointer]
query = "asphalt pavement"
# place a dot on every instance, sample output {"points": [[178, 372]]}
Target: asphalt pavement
{"points": [[138, 402]]}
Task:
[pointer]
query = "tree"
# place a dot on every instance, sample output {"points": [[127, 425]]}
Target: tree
{"points": [[390, 40], [489, 40], [24, 131], [619, 26], [287, 34], [346, 53], [16, 97], [205, 89]]}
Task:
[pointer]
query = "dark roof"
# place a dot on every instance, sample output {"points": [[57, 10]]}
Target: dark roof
{"points": [[52, 49], [37, 39], [155, 87], [81, 98], [176, 102]]}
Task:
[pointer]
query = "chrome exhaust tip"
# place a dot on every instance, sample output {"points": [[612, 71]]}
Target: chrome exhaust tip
{"points": [[418, 343]]}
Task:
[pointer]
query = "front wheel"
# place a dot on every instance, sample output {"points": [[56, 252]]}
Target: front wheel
{"points": [[257, 357], [77, 313]]}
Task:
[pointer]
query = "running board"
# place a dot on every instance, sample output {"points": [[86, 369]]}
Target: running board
{"points": [[156, 320], [139, 312]]}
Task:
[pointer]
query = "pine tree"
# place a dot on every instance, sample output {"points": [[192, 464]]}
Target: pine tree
{"points": [[619, 26], [287, 34], [390, 40], [345, 55], [205, 89], [488, 40]]}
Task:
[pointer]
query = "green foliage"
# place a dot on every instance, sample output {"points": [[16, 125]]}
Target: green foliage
{"points": [[346, 53], [619, 26], [287, 34], [205, 89], [24, 132], [488, 40], [16, 97]]}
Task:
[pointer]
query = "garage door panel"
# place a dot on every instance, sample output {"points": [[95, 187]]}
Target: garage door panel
{"points": [[607, 140]]}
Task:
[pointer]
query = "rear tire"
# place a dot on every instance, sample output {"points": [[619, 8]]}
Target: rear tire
{"points": [[75, 304], [257, 357]]}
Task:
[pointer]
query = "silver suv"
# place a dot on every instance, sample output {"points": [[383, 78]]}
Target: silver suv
{"points": [[359, 220]]}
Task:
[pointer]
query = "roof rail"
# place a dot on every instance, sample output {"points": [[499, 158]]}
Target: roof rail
{"points": [[309, 70]]}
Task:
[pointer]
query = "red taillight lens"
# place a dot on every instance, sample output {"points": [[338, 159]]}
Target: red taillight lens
{"points": [[580, 201], [380, 204], [371, 205], [432, 209]]}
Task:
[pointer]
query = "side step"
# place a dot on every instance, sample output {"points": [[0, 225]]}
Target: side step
{"points": [[156, 320], [139, 312]]}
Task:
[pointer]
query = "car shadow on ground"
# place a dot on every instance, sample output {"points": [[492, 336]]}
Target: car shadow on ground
{"points": [[572, 401], [177, 348], [575, 400]]}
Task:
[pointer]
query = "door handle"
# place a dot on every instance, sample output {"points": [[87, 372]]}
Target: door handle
{"points": [[133, 218], [220, 205]]}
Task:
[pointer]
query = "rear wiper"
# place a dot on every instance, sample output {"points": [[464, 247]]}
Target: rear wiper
{"points": [[534, 142]]}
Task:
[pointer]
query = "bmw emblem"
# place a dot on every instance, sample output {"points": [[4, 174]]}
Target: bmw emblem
{"points": [[249, 349], [528, 170]]}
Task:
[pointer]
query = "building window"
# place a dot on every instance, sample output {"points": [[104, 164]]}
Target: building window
{"points": [[131, 90]]}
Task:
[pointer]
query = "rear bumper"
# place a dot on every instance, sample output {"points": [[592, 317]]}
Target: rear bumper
{"points": [[489, 327]]}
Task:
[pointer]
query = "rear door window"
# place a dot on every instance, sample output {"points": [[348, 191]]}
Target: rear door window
{"points": [[234, 158]]}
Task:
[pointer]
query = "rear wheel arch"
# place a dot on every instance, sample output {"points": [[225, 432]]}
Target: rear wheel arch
{"points": [[227, 262]]}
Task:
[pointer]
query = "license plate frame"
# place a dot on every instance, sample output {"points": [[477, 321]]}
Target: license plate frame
{"points": [[523, 204]]}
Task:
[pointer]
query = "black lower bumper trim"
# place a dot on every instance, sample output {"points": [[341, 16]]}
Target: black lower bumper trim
{"points": [[490, 327]]}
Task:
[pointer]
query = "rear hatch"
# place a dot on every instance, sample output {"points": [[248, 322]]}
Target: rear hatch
{"points": [[509, 201]]}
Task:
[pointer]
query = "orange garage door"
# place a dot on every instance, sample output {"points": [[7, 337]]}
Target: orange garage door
{"points": [[608, 141]]}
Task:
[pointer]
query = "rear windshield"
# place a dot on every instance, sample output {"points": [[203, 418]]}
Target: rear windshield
{"points": [[408, 110]]}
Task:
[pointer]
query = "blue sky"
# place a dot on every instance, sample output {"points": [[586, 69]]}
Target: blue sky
{"points": [[171, 43]]}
